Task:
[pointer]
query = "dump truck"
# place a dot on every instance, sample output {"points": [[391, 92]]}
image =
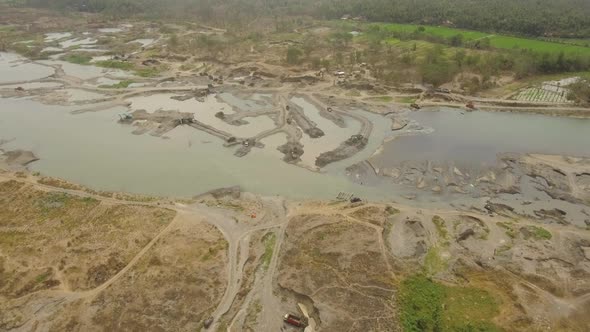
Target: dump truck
{"points": [[293, 320]]}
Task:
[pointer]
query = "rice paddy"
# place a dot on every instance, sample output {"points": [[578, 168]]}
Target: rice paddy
{"points": [[496, 40]]}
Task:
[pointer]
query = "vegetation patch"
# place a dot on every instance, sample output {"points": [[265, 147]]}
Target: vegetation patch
{"points": [[123, 65], [81, 59], [269, 241], [461, 36], [421, 304], [147, 72], [43, 276], [121, 85], [391, 210], [441, 227], [406, 100], [430, 306], [381, 99], [433, 262], [538, 233], [509, 229]]}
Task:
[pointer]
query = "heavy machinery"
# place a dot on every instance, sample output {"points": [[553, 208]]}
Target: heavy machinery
{"points": [[293, 320]]}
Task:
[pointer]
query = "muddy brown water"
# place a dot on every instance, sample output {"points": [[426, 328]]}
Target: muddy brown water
{"points": [[13, 68], [476, 138], [315, 146], [94, 150]]}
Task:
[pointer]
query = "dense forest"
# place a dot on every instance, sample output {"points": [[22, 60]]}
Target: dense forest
{"points": [[554, 18]]}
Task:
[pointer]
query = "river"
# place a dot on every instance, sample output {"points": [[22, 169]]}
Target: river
{"points": [[93, 149]]}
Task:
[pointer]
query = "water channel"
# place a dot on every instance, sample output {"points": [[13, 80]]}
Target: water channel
{"points": [[95, 150], [476, 138]]}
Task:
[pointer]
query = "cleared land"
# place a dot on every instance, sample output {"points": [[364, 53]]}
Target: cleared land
{"points": [[75, 262], [351, 266], [375, 267]]}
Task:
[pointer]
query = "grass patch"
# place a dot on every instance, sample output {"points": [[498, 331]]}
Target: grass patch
{"points": [[114, 64], [89, 200], [382, 99], [509, 229], [53, 202], [391, 210], [80, 59], [441, 227], [433, 262], [437, 31], [42, 277], [507, 42], [147, 72], [269, 241], [406, 100], [539, 233], [421, 304], [469, 309], [429, 306], [121, 85]]}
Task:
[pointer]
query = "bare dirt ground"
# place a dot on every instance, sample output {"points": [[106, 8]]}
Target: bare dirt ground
{"points": [[78, 260], [549, 188], [73, 260], [68, 261], [354, 258]]}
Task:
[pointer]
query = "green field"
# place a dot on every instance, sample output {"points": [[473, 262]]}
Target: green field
{"points": [[437, 31], [421, 47], [497, 41], [570, 41], [426, 305]]}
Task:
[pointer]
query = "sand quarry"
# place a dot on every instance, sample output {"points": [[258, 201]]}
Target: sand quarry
{"points": [[111, 216]]}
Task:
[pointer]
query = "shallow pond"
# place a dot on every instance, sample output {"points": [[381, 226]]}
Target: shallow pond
{"points": [[255, 103], [475, 138], [51, 49], [32, 85], [84, 72], [77, 42], [93, 149], [333, 137], [204, 112], [14, 68]]}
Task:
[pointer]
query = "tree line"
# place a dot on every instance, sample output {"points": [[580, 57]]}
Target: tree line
{"points": [[549, 18]]}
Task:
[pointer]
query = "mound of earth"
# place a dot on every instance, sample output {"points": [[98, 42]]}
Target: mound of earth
{"points": [[339, 266], [20, 157]]}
